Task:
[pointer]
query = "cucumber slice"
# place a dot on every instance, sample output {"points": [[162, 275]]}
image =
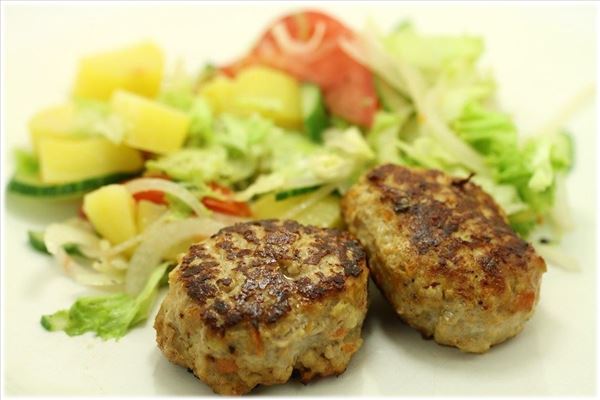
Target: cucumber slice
{"points": [[73, 249], [295, 192], [36, 240], [324, 213], [390, 98], [313, 111], [33, 187]]}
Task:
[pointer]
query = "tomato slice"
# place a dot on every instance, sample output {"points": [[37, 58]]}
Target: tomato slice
{"points": [[81, 213], [348, 87], [155, 196], [231, 207]]}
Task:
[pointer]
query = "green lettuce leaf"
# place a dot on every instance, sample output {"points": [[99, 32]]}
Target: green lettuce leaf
{"points": [[530, 167], [110, 316], [431, 53], [296, 162], [95, 117], [255, 156]]}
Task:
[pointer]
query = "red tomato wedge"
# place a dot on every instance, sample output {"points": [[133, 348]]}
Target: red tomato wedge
{"points": [[230, 207], [155, 196], [306, 45], [237, 208]]}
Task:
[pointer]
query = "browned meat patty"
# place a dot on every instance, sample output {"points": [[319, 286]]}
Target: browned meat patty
{"points": [[442, 253], [259, 300]]}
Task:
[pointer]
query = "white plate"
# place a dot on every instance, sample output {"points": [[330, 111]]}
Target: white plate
{"points": [[541, 57]]}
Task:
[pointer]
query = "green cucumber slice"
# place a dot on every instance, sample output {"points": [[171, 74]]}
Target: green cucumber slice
{"points": [[36, 240], [313, 111], [33, 187], [295, 192]]}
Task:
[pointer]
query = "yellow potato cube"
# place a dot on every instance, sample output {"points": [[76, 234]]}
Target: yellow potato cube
{"points": [[52, 121], [218, 92], [150, 126], [111, 210], [138, 69], [265, 91], [72, 159], [147, 213], [269, 92]]}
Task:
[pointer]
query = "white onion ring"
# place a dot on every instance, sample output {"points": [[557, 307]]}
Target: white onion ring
{"points": [[172, 188], [134, 241], [157, 243], [292, 46], [80, 233], [72, 232], [557, 257], [84, 275]]}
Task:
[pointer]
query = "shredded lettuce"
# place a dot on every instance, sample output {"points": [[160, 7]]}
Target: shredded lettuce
{"points": [[432, 52], [193, 165], [255, 156], [94, 117], [456, 126], [225, 149], [530, 166], [344, 155], [178, 89], [109, 316], [384, 133]]}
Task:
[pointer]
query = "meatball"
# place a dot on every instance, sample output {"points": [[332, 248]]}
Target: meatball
{"points": [[260, 300], [442, 253]]}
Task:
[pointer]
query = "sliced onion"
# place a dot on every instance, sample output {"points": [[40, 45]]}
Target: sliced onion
{"points": [[371, 55], [134, 241], [292, 46], [115, 265], [79, 232], [560, 214], [72, 232], [409, 81], [83, 274], [566, 113], [165, 186], [557, 257], [159, 240]]}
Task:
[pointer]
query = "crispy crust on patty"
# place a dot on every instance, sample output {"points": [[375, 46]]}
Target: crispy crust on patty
{"points": [[270, 257], [260, 300], [443, 254]]}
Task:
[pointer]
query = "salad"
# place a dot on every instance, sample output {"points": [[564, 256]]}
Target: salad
{"points": [[163, 158]]}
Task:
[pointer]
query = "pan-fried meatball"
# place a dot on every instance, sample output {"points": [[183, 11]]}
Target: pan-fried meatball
{"points": [[258, 300], [441, 252]]}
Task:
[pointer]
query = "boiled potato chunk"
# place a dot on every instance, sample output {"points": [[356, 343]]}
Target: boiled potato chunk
{"points": [[266, 91], [72, 159], [138, 69], [147, 213], [269, 92], [111, 210], [218, 93], [52, 121], [150, 126], [324, 213]]}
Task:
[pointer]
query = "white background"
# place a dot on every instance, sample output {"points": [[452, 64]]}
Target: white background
{"points": [[541, 57]]}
